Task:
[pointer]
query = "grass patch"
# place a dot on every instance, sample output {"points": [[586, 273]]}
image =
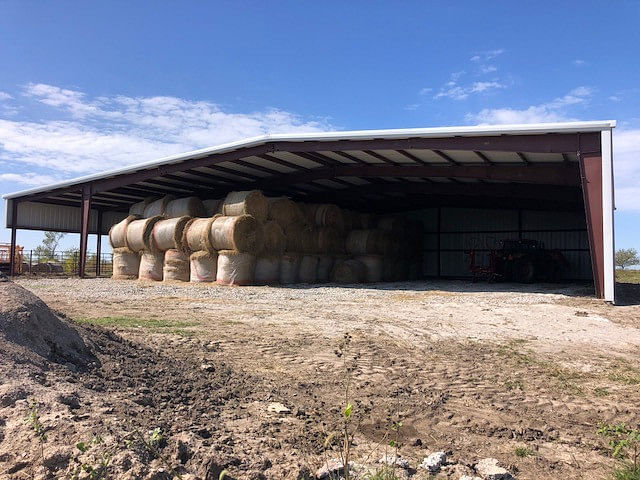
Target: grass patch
{"points": [[622, 372], [627, 472], [601, 392], [153, 324], [628, 276], [514, 385], [524, 452]]}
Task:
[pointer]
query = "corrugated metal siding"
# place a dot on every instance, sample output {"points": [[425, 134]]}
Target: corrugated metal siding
{"points": [[463, 229], [62, 218]]}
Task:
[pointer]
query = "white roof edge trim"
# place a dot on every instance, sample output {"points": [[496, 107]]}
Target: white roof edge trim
{"points": [[435, 132]]}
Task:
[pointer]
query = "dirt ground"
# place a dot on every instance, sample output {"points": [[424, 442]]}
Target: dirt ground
{"points": [[476, 370]]}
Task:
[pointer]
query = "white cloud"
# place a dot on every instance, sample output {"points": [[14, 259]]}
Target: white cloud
{"points": [[626, 155], [5, 96], [486, 55], [488, 69], [27, 178], [95, 134], [553, 111], [453, 90], [615, 98], [580, 63]]}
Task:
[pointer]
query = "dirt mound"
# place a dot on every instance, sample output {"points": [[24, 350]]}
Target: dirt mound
{"points": [[27, 321]]}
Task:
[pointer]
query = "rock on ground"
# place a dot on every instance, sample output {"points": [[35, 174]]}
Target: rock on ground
{"points": [[489, 469], [434, 461]]}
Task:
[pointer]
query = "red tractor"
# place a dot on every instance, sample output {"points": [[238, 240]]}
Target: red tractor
{"points": [[524, 261]]}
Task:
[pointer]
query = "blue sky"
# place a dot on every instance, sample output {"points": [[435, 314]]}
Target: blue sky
{"points": [[89, 86]]}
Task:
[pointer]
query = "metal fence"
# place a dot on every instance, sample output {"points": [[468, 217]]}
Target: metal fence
{"points": [[64, 263]]}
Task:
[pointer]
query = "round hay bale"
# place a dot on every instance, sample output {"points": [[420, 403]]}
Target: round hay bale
{"points": [[139, 234], [364, 221], [284, 211], [325, 265], [203, 266], [300, 239], [168, 233], [138, 208], [118, 233], [383, 242], [196, 235], [350, 220], [273, 238], [374, 266], [176, 266], [126, 263], [212, 207], [250, 202], [330, 240], [392, 223], [235, 268], [189, 206], [362, 242], [348, 271], [151, 265], [241, 233], [308, 271], [309, 212], [328, 215], [157, 207], [267, 270], [289, 267]]}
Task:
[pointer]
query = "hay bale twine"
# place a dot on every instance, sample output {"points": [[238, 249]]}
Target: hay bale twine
{"points": [[241, 233], [289, 268], [325, 265], [328, 215], [212, 207], [168, 233], [118, 233], [284, 211], [203, 266], [362, 242], [235, 268], [374, 267], [151, 265], [196, 235], [308, 271], [330, 240], [176, 266], [126, 263], [250, 202], [139, 234], [138, 208], [190, 206], [157, 207], [348, 271], [267, 270], [273, 239]]}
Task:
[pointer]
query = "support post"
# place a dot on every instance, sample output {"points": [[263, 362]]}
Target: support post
{"points": [[12, 248], [99, 243], [591, 178], [608, 207], [84, 228]]}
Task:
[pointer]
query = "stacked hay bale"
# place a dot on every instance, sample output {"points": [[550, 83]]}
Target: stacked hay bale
{"points": [[246, 238]]}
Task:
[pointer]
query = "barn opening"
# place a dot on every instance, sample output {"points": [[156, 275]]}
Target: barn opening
{"points": [[472, 189]]}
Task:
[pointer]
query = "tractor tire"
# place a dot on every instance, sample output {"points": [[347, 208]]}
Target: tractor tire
{"points": [[525, 271]]}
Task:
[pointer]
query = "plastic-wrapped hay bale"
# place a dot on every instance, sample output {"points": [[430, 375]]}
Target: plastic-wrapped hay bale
{"points": [[151, 265], [157, 207], [139, 234], [330, 240], [212, 207], [325, 265], [235, 268], [284, 211], [289, 268], [267, 270], [348, 271], [196, 235], [118, 233], [168, 233], [203, 266], [273, 239], [176, 266], [187, 206], [374, 266], [308, 271], [241, 233], [328, 215], [251, 202], [138, 208], [126, 263], [362, 242]]}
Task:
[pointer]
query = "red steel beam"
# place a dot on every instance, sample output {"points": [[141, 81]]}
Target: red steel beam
{"points": [[84, 229], [98, 243], [12, 248]]}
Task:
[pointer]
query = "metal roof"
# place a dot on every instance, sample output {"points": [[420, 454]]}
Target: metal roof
{"points": [[365, 156]]}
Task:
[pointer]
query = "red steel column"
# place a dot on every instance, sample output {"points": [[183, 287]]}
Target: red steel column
{"points": [[99, 243], [12, 248], [84, 229], [591, 177]]}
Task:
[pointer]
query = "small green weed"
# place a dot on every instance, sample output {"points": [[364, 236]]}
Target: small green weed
{"points": [[514, 385], [524, 452], [624, 443], [33, 419], [383, 473], [601, 392]]}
